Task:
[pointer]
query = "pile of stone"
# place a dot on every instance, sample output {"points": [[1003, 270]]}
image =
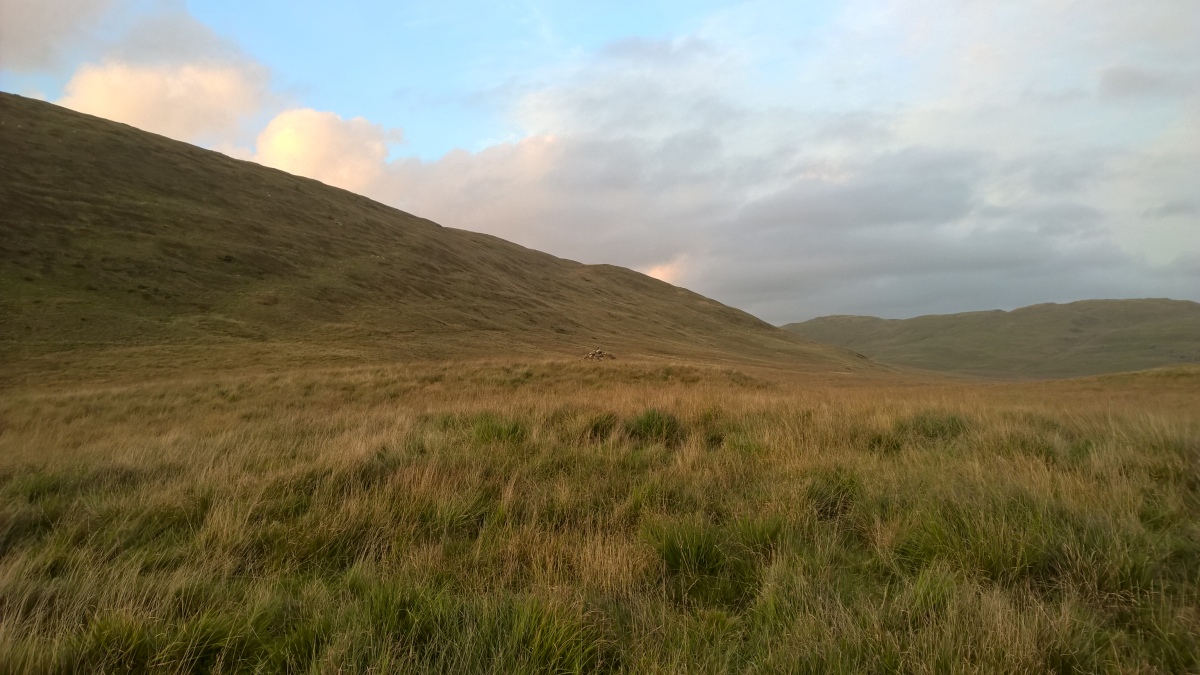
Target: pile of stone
{"points": [[599, 355]]}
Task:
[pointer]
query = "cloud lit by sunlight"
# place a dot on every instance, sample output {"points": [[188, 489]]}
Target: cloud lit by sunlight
{"points": [[670, 272], [349, 154], [191, 102]]}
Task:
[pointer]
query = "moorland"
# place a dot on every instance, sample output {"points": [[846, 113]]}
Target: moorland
{"points": [[251, 423], [1087, 337]]}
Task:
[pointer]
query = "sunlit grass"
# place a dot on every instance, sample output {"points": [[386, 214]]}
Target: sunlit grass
{"points": [[560, 517]]}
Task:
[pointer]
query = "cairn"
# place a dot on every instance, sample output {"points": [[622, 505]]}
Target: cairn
{"points": [[599, 355]]}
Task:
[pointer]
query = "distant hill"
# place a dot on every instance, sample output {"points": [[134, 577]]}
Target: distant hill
{"points": [[1079, 338], [112, 238]]}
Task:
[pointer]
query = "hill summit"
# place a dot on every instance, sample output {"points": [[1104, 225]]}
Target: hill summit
{"points": [[118, 239]]}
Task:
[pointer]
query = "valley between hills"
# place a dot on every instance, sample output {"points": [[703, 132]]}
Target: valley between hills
{"points": [[253, 423], [1089, 337]]}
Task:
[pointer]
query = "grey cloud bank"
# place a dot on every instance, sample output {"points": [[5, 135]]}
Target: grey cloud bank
{"points": [[799, 205]]}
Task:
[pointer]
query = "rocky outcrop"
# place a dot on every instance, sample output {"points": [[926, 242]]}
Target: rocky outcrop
{"points": [[599, 355]]}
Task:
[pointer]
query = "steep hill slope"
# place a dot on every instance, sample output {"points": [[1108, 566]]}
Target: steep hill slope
{"points": [[1049, 340], [112, 238]]}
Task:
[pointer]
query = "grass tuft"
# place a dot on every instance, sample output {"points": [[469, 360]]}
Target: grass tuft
{"points": [[933, 426], [601, 427], [655, 426], [833, 492], [490, 428], [704, 565]]}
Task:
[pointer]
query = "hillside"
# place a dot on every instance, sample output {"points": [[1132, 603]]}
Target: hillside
{"points": [[116, 241], [1049, 340]]}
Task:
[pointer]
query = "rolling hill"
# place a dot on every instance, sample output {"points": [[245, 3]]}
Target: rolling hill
{"points": [[1049, 340], [118, 243]]}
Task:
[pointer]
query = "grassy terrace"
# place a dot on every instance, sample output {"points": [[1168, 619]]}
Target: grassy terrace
{"points": [[566, 517]]}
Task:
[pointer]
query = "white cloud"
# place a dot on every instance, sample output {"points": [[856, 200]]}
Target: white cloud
{"points": [[164, 72], [198, 103], [349, 154], [34, 33], [171, 35]]}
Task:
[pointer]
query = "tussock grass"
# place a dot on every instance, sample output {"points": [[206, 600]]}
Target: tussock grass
{"points": [[557, 517], [655, 426]]}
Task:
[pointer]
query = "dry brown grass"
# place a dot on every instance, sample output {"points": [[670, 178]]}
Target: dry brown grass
{"points": [[538, 517]]}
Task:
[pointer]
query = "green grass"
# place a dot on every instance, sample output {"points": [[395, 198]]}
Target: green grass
{"points": [[655, 426], [391, 520], [369, 624]]}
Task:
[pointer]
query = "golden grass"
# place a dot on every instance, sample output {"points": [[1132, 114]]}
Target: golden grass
{"points": [[569, 517]]}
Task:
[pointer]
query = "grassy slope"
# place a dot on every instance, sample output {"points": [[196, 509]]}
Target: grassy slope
{"points": [[562, 517], [117, 241], [1049, 340]]}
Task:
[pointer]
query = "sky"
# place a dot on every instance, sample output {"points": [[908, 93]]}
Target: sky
{"points": [[792, 159]]}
